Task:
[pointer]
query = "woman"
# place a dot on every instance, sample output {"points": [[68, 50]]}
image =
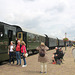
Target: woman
{"points": [[42, 58], [55, 54], [23, 51], [11, 48], [18, 55]]}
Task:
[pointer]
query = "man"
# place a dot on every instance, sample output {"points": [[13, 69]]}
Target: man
{"points": [[59, 55]]}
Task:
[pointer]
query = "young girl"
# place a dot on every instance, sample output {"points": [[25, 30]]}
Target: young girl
{"points": [[23, 51]]}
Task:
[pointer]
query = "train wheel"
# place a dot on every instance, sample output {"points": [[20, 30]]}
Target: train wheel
{"points": [[33, 51]]}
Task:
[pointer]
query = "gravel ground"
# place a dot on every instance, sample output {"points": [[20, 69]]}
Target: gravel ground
{"points": [[33, 66]]}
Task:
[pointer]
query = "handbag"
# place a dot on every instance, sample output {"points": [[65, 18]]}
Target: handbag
{"points": [[25, 54]]}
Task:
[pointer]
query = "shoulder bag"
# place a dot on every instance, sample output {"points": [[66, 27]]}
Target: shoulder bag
{"points": [[25, 54]]}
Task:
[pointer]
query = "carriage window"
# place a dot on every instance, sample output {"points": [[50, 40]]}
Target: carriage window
{"points": [[10, 32], [6, 32], [19, 35], [29, 37]]}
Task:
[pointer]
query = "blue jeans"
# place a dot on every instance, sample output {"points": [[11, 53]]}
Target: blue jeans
{"points": [[18, 57], [11, 57], [24, 59]]}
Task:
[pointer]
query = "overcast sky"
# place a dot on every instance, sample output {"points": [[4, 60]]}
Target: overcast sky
{"points": [[51, 17]]}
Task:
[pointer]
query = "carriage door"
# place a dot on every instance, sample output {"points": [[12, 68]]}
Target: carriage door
{"points": [[47, 41], [10, 34], [25, 37]]}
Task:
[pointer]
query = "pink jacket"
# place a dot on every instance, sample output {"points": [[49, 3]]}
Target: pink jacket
{"points": [[23, 49]]}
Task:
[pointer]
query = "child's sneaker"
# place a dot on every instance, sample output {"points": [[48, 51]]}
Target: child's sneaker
{"points": [[54, 63], [24, 65]]}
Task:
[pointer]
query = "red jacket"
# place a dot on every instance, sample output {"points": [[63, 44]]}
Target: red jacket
{"points": [[23, 49], [18, 47]]}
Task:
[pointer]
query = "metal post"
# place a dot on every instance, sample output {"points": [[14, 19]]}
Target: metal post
{"points": [[65, 45], [65, 41]]}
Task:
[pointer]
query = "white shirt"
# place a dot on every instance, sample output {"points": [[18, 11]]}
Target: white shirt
{"points": [[11, 50], [1, 34]]}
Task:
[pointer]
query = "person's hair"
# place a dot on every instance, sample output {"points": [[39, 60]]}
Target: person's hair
{"points": [[56, 47], [12, 42], [42, 43], [23, 43], [18, 41], [60, 48]]}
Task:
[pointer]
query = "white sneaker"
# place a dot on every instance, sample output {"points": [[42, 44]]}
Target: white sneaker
{"points": [[24, 65]]}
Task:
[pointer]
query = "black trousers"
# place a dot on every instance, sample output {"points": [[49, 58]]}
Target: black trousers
{"points": [[11, 57]]}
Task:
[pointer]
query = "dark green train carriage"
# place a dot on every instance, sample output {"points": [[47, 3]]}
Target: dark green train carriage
{"points": [[32, 40], [7, 34]]}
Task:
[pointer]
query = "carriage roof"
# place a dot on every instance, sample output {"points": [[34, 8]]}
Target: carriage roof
{"points": [[29, 31]]}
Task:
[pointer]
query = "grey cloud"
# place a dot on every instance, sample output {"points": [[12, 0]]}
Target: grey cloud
{"points": [[28, 0], [56, 9], [70, 32], [33, 23]]}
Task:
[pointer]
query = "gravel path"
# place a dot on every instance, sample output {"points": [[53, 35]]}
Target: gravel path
{"points": [[33, 66]]}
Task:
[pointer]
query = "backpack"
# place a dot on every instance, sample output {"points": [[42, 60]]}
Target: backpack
{"points": [[58, 61], [42, 53]]}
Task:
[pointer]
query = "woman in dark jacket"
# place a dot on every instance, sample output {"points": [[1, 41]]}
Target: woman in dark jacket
{"points": [[42, 58], [59, 55]]}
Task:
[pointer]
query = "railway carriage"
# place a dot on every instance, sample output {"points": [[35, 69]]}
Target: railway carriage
{"points": [[7, 33], [52, 42], [31, 39], [61, 43]]}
